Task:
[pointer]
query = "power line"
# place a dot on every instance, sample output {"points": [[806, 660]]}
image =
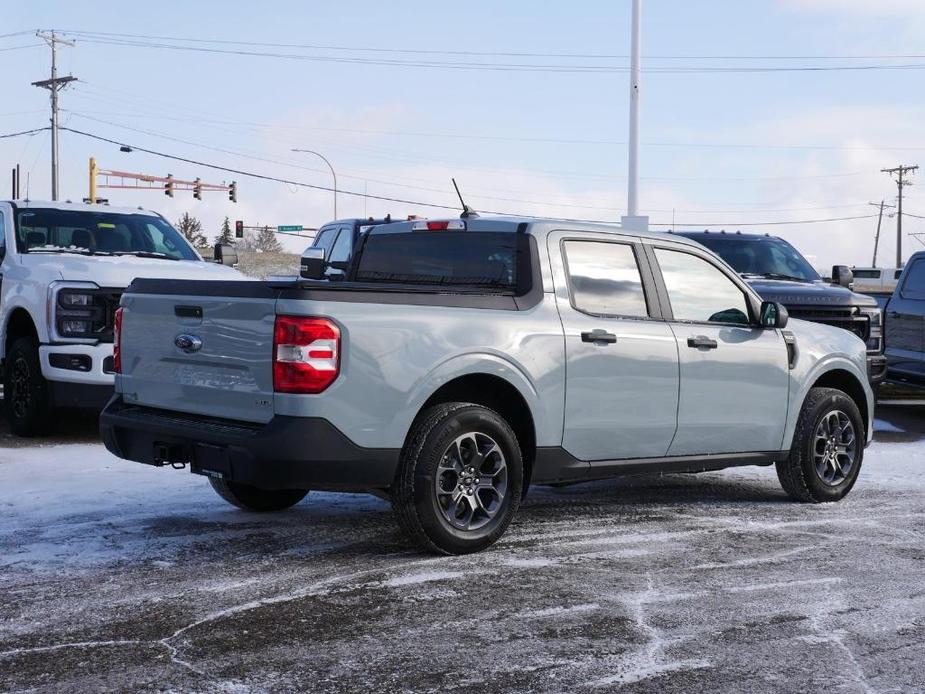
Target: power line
{"points": [[25, 132], [420, 203], [121, 96], [18, 33], [420, 51], [252, 174], [768, 224], [695, 179], [495, 67], [16, 48]]}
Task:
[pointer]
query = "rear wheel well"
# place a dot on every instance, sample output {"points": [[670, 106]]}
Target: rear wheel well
{"points": [[499, 395], [19, 325], [848, 383]]}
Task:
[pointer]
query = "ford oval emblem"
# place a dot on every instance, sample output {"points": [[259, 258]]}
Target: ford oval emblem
{"points": [[188, 343]]}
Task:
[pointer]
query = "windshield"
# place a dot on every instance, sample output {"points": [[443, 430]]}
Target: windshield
{"points": [[88, 232], [465, 258], [761, 256]]}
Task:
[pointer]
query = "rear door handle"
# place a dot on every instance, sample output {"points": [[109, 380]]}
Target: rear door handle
{"points": [[701, 342], [599, 336]]}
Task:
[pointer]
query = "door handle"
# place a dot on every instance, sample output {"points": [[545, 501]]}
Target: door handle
{"points": [[599, 336], [894, 314], [701, 342]]}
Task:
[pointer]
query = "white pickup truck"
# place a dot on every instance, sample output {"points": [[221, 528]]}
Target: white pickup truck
{"points": [[63, 267]]}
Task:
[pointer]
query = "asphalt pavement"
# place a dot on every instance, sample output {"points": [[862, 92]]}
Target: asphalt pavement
{"points": [[119, 577]]}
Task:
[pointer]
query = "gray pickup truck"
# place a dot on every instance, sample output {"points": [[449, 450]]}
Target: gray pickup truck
{"points": [[462, 360]]}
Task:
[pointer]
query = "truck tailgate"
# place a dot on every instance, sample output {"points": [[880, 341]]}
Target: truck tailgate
{"points": [[200, 350]]}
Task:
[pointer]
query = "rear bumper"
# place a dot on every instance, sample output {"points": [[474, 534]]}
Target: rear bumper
{"points": [[286, 453]]}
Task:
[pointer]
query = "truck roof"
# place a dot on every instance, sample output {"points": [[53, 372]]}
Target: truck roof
{"points": [[529, 225], [78, 207], [706, 233]]}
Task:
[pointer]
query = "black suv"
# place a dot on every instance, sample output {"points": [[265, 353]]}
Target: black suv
{"points": [[779, 273]]}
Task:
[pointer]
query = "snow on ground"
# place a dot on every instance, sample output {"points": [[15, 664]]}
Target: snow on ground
{"points": [[118, 576]]}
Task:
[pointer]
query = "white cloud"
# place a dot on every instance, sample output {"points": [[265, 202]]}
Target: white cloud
{"points": [[861, 7]]}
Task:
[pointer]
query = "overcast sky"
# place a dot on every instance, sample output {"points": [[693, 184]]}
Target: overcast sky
{"points": [[378, 88]]}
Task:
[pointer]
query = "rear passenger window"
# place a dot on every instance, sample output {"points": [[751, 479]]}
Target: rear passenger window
{"points": [[914, 286], [604, 279], [699, 291]]}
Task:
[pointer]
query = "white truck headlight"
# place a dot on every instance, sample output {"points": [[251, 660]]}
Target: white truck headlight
{"points": [[76, 312]]}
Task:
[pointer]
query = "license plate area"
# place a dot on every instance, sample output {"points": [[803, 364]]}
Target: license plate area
{"points": [[211, 461]]}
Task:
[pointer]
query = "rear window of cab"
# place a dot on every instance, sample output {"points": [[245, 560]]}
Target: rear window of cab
{"points": [[473, 259]]}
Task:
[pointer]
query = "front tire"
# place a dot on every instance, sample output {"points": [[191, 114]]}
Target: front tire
{"points": [[828, 448], [249, 498], [459, 480], [25, 391]]}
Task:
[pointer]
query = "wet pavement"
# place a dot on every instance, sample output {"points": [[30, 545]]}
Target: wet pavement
{"points": [[115, 576]]}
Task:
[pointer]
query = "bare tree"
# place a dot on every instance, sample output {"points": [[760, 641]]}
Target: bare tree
{"points": [[248, 243], [191, 228], [267, 241]]}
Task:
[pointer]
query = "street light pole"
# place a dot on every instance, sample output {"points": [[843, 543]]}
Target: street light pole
{"points": [[333, 174], [632, 203], [632, 220]]}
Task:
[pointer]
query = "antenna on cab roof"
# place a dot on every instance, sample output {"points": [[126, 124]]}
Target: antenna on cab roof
{"points": [[467, 211]]}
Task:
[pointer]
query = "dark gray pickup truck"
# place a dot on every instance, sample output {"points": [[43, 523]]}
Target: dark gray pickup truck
{"points": [[905, 325], [778, 272]]}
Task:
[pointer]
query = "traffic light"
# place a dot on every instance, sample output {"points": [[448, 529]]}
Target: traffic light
{"points": [[168, 186], [197, 189], [233, 192], [238, 228]]}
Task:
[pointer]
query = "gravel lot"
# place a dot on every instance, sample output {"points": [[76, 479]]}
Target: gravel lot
{"points": [[115, 576]]}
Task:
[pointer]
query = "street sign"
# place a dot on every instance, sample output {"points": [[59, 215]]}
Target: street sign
{"points": [[288, 228]]}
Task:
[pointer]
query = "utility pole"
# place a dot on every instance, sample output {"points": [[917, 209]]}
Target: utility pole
{"points": [[901, 181], [882, 204], [54, 85], [632, 220]]}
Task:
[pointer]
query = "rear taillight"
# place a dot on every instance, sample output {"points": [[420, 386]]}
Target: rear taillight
{"points": [[117, 341], [306, 354]]}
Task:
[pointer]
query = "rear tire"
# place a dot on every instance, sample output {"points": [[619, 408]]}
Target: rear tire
{"points": [[828, 448], [249, 498], [26, 400], [460, 479]]}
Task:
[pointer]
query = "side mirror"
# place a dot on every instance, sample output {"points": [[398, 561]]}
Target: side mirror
{"points": [[313, 265], [225, 254], [842, 275], [773, 315]]}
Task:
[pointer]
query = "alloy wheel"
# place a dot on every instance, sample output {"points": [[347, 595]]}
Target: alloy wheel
{"points": [[835, 448], [472, 481]]}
